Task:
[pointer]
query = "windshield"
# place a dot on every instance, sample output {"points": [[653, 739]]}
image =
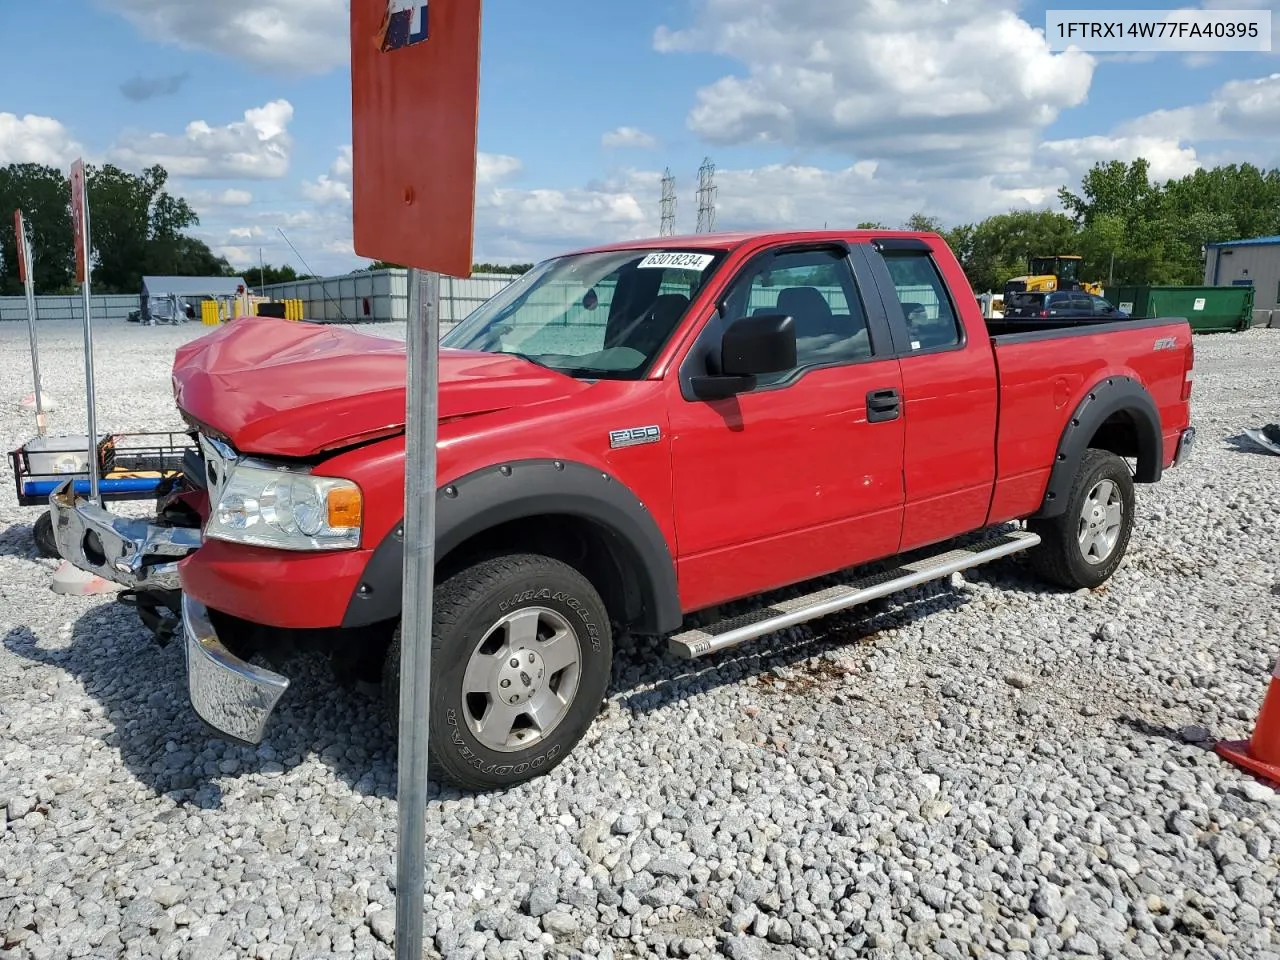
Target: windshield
{"points": [[596, 315], [1063, 268]]}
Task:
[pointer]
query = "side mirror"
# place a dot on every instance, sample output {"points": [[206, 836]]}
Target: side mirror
{"points": [[758, 345], [751, 347]]}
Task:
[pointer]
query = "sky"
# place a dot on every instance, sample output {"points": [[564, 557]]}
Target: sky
{"points": [[813, 113]]}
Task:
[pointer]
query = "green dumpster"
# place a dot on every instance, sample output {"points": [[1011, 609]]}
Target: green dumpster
{"points": [[1207, 309]]}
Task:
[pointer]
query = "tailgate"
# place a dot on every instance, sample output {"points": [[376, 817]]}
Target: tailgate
{"points": [[1044, 376]]}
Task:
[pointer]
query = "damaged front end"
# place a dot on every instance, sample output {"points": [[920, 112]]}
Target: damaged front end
{"points": [[141, 555]]}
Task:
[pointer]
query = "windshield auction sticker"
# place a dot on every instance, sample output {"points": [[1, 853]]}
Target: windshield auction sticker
{"points": [[1187, 31], [678, 261]]}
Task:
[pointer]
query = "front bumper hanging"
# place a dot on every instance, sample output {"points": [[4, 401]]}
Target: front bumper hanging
{"points": [[133, 552], [234, 697]]}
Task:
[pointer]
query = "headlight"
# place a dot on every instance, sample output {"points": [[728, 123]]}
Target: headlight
{"points": [[287, 510]]}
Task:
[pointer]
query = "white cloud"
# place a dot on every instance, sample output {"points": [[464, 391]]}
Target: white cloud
{"points": [[958, 83], [36, 139], [238, 257], [230, 197], [1169, 159], [255, 148], [245, 233], [629, 137], [1237, 110], [495, 167], [286, 36]]}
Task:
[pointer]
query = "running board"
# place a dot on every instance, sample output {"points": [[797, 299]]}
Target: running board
{"points": [[702, 641]]}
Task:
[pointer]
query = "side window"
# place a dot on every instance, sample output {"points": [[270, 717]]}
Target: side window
{"points": [[1100, 307], [931, 318], [817, 288]]}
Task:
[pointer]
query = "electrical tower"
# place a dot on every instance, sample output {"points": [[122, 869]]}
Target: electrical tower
{"points": [[706, 196], [668, 227]]}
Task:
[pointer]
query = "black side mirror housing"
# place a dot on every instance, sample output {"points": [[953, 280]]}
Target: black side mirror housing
{"points": [[757, 345], [751, 347]]}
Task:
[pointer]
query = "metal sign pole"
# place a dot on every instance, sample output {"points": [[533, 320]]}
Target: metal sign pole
{"points": [[26, 267], [415, 98], [422, 348], [80, 214]]}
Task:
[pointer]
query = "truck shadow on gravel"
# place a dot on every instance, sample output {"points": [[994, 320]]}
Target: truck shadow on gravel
{"points": [[18, 540], [804, 656], [146, 714]]}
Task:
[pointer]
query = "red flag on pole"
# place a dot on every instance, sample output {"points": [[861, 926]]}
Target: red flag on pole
{"points": [[77, 220], [20, 235]]}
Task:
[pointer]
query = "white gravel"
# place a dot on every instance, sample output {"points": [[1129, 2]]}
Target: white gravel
{"points": [[980, 768]]}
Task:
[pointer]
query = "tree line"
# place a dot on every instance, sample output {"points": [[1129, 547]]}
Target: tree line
{"points": [[137, 228], [1128, 227]]}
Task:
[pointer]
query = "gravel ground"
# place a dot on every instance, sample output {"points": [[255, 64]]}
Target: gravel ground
{"points": [[979, 768]]}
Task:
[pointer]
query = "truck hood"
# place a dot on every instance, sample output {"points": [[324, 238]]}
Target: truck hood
{"points": [[299, 389]]}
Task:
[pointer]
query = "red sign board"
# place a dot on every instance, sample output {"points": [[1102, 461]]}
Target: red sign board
{"points": [[78, 221], [415, 99], [20, 240]]}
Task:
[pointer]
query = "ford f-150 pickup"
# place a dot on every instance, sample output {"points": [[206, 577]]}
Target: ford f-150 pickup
{"points": [[630, 437]]}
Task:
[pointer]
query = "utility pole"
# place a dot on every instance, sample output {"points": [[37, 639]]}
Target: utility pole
{"points": [[262, 271]]}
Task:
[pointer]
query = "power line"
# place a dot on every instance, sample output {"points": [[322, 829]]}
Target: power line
{"points": [[314, 274]]}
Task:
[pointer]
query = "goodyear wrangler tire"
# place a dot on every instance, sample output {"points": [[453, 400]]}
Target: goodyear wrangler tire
{"points": [[521, 654], [1084, 546]]}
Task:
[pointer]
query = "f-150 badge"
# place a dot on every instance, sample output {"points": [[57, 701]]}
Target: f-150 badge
{"points": [[634, 436]]}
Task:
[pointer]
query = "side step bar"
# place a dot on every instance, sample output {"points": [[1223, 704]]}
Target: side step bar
{"points": [[702, 641]]}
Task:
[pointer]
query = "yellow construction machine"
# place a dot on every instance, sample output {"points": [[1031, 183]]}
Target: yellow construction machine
{"points": [[1045, 274]]}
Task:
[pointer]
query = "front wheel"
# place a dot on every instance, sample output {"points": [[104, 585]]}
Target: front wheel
{"points": [[521, 653], [1083, 546]]}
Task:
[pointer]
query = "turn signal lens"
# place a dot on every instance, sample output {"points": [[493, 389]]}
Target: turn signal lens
{"points": [[345, 507]]}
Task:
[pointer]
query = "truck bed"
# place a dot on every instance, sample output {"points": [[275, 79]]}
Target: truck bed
{"points": [[1042, 380]]}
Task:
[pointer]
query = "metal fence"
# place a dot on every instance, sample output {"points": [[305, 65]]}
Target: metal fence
{"points": [[379, 296], [49, 307]]}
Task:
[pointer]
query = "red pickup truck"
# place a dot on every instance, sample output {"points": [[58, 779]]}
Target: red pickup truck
{"points": [[630, 436]]}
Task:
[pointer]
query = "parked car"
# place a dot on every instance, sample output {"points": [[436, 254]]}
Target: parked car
{"points": [[1061, 304], [631, 436]]}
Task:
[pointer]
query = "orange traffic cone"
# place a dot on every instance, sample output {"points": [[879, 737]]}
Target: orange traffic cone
{"points": [[1261, 753]]}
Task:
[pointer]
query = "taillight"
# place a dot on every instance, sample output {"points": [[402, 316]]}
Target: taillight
{"points": [[1044, 313], [1189, 376]]}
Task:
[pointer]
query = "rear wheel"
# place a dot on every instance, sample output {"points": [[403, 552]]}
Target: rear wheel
{"points": [[1083, 546], [521, 653]]}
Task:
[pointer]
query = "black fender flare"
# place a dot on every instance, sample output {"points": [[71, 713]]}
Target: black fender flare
{"points": [[520, 489], [1112, 395]]}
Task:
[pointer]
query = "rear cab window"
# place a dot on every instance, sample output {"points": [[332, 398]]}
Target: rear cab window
{"points": [[926, 302]]}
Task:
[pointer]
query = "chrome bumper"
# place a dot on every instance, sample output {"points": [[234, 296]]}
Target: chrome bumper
{"points": [[128, 551], [232, 696], [1186, 444]]}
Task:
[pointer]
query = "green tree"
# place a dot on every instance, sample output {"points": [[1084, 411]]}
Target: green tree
{"points": [[136, 229], [921, 223], [44, 195], [999, 247], [184, 256]]}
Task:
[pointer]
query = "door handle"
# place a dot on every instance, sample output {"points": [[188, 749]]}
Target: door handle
{"points": [[883, 405]]}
